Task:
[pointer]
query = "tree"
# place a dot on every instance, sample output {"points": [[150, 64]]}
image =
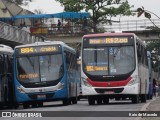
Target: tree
{"points": [[102, 11], [154, 46]]}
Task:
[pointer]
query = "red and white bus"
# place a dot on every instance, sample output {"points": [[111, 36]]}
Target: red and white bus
{"points": [[114, 65]]}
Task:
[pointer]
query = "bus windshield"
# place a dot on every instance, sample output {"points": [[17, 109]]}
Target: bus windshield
{"points": [[39, 69], [106, 61]]}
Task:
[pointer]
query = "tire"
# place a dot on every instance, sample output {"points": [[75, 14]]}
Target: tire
{"points": [[148, 97], [99, 101], [74, 100], [91, 101], [135, 99], [25, 105], [66, 102], [151, 96], [16, 106], [143, 98], [34, 105], [117, 98], [40, 104], [123, 98], [105, 101]]}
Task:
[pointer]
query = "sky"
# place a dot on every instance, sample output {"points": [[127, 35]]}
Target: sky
{"points": [[51, 6]]}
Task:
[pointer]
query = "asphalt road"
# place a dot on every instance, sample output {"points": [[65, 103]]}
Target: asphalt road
{"points": [[83, 106]]}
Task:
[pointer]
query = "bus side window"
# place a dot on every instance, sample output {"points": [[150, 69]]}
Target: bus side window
{"points": [[72, 61], [146, 59], [143, 55], [67, 60], [139, 52]]}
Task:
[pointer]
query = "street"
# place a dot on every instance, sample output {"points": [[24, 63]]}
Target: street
{"points": [[82, 105]]}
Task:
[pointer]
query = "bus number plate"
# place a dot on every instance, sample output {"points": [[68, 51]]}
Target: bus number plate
{"points": [[109, 92], [41, 96]]}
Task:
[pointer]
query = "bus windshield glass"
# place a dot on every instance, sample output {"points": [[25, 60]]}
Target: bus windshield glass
{"points": [[39, 69], [108, 60]]}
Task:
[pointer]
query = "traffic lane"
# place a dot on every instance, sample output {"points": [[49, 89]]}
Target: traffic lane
{"points": [[82, 105]]}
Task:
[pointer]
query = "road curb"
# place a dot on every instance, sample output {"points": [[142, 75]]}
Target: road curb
{"points": [[144, 108]]}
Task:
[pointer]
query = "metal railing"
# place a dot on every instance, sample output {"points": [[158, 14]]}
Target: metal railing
{"points": [[14, 34], [133, 25], [79, 30], [73, 30]]}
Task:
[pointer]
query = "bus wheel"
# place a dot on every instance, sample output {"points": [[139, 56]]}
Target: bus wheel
{"points": [[25, 105], [123, 98], [105, 100], [74, 100], [117, 98], [143, 98], [34, 105], [99, 101], [1, 106], [91, 100], [66, 101], [16, 106], [151, 96], [40, 104], [148, 97], [135, 99]]}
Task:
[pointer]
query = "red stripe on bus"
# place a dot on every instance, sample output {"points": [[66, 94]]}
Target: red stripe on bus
{"points": [[109, 84]]}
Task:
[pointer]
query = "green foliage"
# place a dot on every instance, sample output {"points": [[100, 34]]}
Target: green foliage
{"points": [[155, 46], [101, 11]]}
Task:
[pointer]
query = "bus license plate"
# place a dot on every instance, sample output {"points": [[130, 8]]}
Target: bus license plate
{"points": [[109, 92], [41, 96]]}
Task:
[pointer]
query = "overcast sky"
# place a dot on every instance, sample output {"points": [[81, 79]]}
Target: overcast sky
{"points": [[50, 6]]}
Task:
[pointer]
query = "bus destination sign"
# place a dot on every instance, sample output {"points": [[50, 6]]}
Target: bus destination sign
{"points": [[37, 49], [108, 40]]}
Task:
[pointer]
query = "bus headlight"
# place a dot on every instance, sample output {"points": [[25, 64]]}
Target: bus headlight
{"points": [[84, 81], [20, 89], [133, 81], [61, 86]]}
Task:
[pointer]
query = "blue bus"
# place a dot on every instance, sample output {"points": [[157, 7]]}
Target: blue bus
{"points": [[6, 85], [45, 71]]}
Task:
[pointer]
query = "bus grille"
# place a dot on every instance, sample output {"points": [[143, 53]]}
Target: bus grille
{"points": [[103, 90], [34, 96]]}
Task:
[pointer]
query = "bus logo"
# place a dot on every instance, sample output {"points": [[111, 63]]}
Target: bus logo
{"points": [[6, 114]]}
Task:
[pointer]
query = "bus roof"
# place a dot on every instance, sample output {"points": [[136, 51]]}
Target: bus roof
{"points": [[108, 34], [46, 43], [5, 48]]}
